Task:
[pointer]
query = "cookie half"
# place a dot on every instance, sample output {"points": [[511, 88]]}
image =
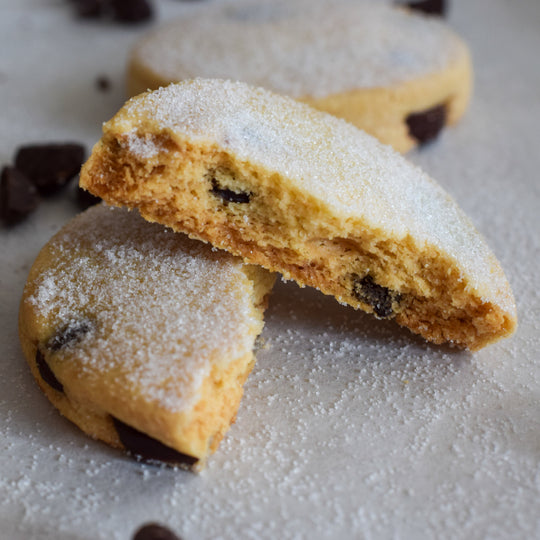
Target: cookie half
{"points": [[307, 194], [142, 337], [398, 74]]}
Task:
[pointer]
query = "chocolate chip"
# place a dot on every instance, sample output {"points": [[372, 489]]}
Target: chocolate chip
{"points": [[431, 7], [378, 297], [85, 199], [69, 334], [50, 166], [228, 195], [131, 11], [426, 125], [154, 531], [145, 447], [46, 372], [18, 196]]}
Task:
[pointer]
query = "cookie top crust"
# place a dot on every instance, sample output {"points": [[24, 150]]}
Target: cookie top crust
{"points": [[354, 178], [158, 309], [301, 48]]}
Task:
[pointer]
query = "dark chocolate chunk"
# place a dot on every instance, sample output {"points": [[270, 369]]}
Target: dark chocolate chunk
{"points": [[85, 199], [69, 334], [18, 196], [50, 166], [46, 372], [145, 447], [154, 531], [131, 11], [431, 7], [89, 8], [378, 297], [228, 195], [426, 125]]}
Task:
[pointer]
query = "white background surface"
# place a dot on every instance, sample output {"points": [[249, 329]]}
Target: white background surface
{"points": [[350, 427]]}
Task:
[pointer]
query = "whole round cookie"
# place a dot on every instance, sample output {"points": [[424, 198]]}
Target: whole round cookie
{"points": [[140, 336], [397, 74], [309, 195]]}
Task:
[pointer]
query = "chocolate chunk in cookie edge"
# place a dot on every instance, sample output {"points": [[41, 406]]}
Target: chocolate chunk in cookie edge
{"points": [[424, 126], [69, 334], [378, 297], [18, 196], [149, 449], [228, 195], [50, 166], [154, 531], [47, 373]]}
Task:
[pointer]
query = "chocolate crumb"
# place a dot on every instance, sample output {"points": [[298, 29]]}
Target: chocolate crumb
{"points": [[430, 7], [89, 9], [228, 195], [50, 166], [378, 297], [424, 126], [131, 11], [46, 372], [103, 83], [147, 448], [69, 334], [18, 196], [154, 531]]}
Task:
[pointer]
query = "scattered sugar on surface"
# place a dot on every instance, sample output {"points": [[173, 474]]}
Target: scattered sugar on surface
{"points": [[301, 48], [161, 306], [350, 173]]}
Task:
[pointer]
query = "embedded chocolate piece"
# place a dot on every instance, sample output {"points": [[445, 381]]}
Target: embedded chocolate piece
{"points": [[426, 125], [85, 199], [378, 297], [69, 334], [50, 166], [147, 448], [431, 7], [228, 195], [154, 531], [18, 196], [46, 372], [131, 11]]}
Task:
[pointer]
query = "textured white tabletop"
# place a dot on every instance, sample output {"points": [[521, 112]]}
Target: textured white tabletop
{"points": [[349, 427]]}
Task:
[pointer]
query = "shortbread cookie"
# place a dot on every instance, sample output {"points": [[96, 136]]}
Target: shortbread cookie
{"points": [[141, 336], [305, 193], [398, 74]]}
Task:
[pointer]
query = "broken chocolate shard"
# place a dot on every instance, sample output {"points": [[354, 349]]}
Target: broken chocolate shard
{"points": [[147, 448], [430, 7], [50, 166], [424, 126], [69, 335], [18, 196], [378, 297], [228, 195], [46, 373], [131, 11], [154, 531]]}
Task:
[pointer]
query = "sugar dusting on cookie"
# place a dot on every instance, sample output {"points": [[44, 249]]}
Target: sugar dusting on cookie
{"points": [[163, 307], [304, 48], [347, 170]]}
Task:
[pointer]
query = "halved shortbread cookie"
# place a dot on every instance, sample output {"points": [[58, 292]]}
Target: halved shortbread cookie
{"points": [[398, 74], [141, 336], [302, 192]]}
